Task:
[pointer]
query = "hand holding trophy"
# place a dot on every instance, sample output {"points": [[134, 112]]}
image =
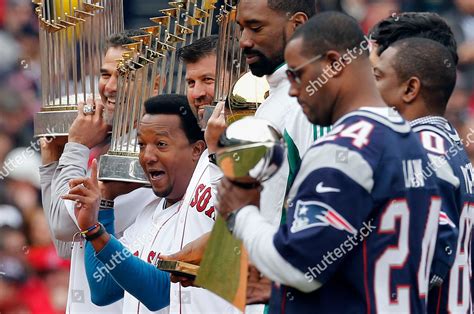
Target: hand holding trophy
{"points": [[249, 152]]}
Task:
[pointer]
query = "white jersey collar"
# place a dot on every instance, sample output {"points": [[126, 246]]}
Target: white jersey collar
{"points": [[279, 76]]}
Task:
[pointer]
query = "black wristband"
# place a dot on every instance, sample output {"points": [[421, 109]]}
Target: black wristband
{"points": [[213, 159], [99, 232], [230, 221], [106, 204]]}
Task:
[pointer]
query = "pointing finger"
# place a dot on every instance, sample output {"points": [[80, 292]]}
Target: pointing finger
{"points": [[94, 173]]}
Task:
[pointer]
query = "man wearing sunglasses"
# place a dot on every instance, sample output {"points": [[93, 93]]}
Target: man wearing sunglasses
{"points": [[266, 27], [294, 75], [352, 242]]}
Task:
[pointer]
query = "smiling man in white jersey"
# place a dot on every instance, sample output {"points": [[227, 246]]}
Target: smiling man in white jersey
{"points": [[87, 132], [171, 154]]}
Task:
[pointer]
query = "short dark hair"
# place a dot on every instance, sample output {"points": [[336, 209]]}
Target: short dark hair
{"points": [[308, 7], [199, 49], [172, 104], [330, 30], [414, 24], [432, 63], [124, 38]]}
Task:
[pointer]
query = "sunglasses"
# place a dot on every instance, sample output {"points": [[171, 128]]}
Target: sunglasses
{"points": [[294, 76]]}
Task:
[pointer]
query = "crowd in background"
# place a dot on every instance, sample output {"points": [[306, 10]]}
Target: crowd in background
{"points": [[33, 279]]}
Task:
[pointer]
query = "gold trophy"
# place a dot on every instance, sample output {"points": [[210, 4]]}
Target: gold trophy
{"points": [[151, 59], [250, 151], [72, 38]]}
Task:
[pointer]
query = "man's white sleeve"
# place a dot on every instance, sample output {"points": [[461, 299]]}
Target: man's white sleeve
{"points": [[63, 249], [216, 175], [72, 165], [257, 235], [129, 206]]}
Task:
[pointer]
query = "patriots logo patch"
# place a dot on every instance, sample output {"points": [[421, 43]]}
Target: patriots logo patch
{"points": [[444, 220], [316, 214]]}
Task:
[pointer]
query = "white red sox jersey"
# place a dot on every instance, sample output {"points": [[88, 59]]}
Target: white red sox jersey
{"points": [[160, 230]]}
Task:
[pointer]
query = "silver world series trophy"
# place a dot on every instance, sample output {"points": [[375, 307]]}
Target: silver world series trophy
{"points": [[251, 151], [72, 40], [149, 67]]}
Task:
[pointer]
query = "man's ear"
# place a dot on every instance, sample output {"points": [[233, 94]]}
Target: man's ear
{"points": [[198, 148], [412, 89], [335, 62], [298, 19]]}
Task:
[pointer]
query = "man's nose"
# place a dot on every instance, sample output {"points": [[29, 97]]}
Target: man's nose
{"points": [[198, 90], [111, 86], [148, 155], [246, 40]]}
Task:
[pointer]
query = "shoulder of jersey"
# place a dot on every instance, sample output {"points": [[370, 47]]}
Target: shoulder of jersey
{"points": [[383, 115], [444, 148], [344, 148], [438, 133], [364, 126]]}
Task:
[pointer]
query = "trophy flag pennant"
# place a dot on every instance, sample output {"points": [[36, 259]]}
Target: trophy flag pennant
{"points": [[224, 267]]}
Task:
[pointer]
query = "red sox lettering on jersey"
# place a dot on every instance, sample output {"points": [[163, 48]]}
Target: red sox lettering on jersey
{"points": [[165, 230], [200, 203]]}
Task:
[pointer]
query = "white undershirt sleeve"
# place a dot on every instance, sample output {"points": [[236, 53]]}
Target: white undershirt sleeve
{"points": [[257, 235]]}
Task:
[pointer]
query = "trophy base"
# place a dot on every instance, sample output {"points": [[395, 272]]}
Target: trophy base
{"points": [[122, 169], [230, 116], [53, 123], [238, 114], [178, 268]]}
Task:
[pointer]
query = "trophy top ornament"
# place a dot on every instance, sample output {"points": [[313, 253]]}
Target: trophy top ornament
{"points": [[250, 150]]}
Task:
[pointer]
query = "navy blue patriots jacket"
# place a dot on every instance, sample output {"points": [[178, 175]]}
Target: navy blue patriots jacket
{"points": [[453, 170], [361, 224]]}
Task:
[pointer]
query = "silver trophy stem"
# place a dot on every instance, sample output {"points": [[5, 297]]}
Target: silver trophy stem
{"points": [[126, 112], [50, 78], [117, 114], [44, 66], [74, 57], [131, 110], [170, 80]]}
